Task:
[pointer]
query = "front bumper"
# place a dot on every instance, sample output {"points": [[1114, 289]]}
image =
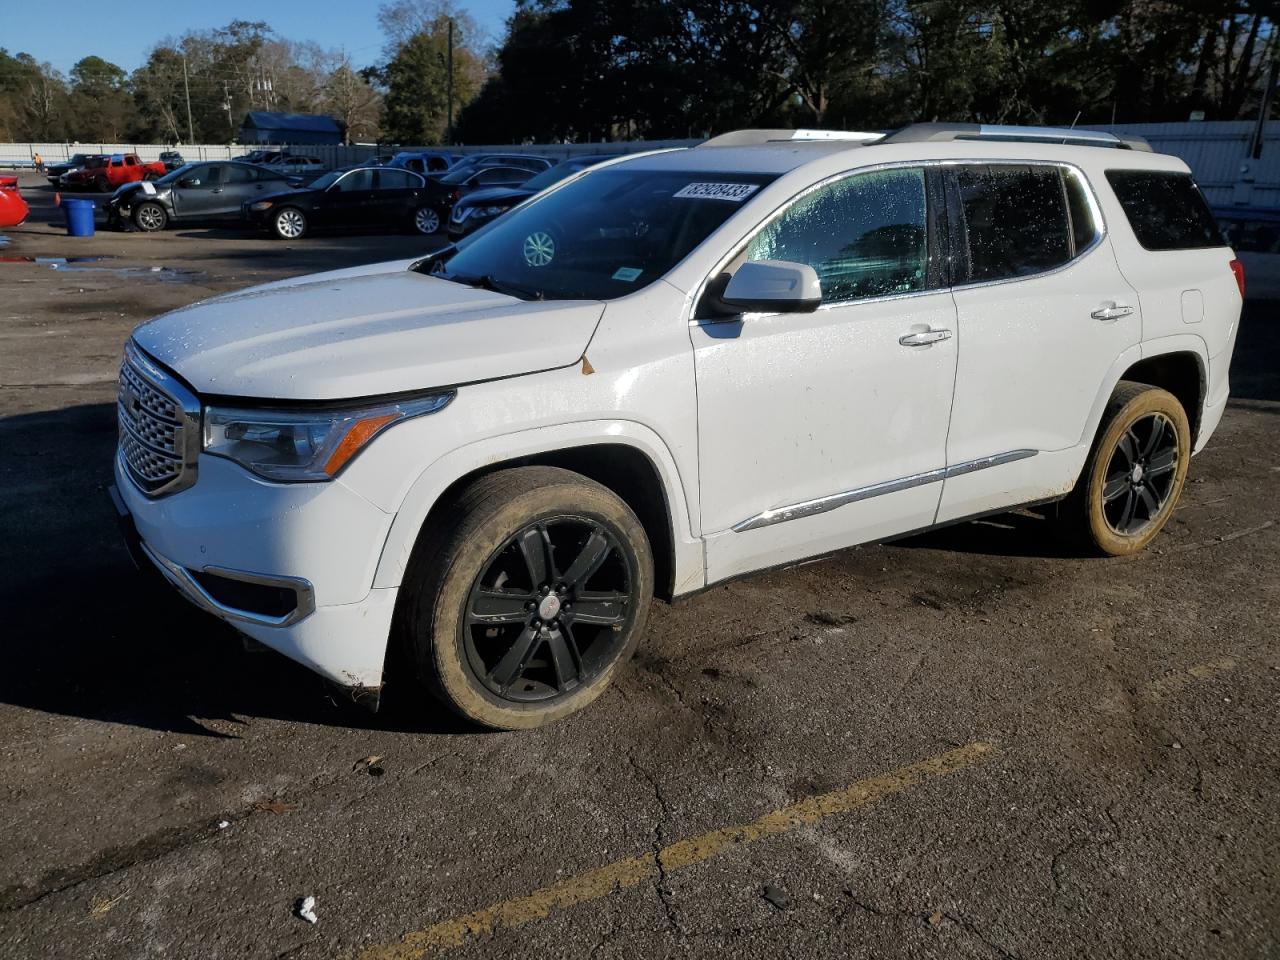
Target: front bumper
{"points": [[232, 537]]}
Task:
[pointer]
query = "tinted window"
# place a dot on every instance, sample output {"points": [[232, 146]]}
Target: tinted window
{"points": [[356, 180], [204, 174], [865, 236], [395, 180], [437, 163], [240, 174], [495, 175], [1016, 220], [1166, 210]]}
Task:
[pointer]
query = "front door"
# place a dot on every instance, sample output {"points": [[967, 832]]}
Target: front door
{"points": [[822, 430], [197, 195], [349, 201]]}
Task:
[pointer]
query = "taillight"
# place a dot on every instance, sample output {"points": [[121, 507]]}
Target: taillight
{"points": [[1238, 269]]}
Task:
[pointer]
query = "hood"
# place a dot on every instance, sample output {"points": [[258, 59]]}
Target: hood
{"points": [[363, 332], [495, 195]]}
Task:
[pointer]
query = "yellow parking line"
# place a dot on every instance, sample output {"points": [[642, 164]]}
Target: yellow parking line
{"points": [[633, 871]]}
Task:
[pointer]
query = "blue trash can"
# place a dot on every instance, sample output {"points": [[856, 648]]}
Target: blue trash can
{"points": [[79, 214]]}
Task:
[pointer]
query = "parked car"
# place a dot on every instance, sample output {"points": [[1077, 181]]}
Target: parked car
{"points": [[346, 200], [105, 173], [424, 161], [1250, 229], [258, 156], [13, 208], [529, 162], [214, 190], [676, 370], [297, 165], [479, 207], [444, 191], [54, 171], [172, 159]]}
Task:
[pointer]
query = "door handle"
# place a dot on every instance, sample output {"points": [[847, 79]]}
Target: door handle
{"points": [[216, 190], [1112, 311], [924, 338]]}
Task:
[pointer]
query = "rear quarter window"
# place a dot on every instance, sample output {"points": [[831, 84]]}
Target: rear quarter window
{"points": [[1165, 209]]}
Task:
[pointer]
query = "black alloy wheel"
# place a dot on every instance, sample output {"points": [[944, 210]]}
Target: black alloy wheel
{"points": [[1141, 474], [549, 611]]}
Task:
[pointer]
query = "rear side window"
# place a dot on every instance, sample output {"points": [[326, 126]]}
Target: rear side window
{"points": [[1165, 209], [1016, 220]]}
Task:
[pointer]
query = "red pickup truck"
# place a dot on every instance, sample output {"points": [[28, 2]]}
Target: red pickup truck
{"points": [[106, 171]]}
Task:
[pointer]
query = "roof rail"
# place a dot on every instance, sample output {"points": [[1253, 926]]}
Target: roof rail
{"points": [[1071, 136], [751, 138]]}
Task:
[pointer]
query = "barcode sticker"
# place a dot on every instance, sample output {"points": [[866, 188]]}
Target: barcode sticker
{"points": [[733, 192]]}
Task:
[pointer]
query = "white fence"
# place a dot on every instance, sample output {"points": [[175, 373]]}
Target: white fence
{"points": [[1216, 151], [23, 154]]}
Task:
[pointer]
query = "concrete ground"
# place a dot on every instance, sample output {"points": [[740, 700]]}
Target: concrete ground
{"points": [[968, 744]]}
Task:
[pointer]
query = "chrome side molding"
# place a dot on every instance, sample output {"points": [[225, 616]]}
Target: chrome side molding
{"points": [[193, 591], [809, 508]]}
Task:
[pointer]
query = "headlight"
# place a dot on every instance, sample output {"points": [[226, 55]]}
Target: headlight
{"points": [[261, 205], [304, 445]]}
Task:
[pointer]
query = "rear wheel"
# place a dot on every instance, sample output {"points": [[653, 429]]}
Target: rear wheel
{"points": [[289, 223], [1134, 474], [426, 220], [150, 217], [521, 608]]}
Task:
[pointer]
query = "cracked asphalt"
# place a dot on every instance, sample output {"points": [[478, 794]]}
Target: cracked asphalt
{"points": [[967, 744]]}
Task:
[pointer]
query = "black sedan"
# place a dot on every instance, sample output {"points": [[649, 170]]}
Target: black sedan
{"points": [[216, 190], [481, 206], [364, 198], [446, 190]]}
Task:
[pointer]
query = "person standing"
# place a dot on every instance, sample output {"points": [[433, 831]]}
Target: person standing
{"points": [[39, 162]]}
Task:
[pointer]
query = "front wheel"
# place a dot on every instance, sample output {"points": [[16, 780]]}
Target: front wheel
{"points": [[289, 223], [520, 609], [1134, 474], [150, 217]]}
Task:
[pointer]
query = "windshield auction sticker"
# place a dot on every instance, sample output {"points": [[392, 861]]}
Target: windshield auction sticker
{"points": [[733, 192]]}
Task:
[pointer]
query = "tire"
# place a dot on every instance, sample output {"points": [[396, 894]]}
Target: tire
{"points": [[425, 220], [150, 217], [289, 223], [1134, 475], [544, 653], [103, 185]]}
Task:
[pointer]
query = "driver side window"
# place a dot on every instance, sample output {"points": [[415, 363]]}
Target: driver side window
{"points": [[865, 236]]}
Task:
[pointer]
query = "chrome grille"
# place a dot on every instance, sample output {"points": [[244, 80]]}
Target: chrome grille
{"points": [[158, 430]]}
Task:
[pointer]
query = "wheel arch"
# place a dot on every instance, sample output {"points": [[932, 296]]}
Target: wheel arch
{"points": [[643, 477], [1182, 372]]}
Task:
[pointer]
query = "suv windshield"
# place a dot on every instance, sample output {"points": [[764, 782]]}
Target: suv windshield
{"points": [[603, 236]]}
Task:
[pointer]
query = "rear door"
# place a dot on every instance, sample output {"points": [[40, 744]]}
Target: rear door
{"points": [[1043, 314], [239, 184], [394, 193]]}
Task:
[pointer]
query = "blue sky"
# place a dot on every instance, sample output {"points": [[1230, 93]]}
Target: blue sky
{"points": [[124, 32]]}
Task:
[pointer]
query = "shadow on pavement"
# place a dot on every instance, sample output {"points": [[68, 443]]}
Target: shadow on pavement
{"points": [[85, 634]]}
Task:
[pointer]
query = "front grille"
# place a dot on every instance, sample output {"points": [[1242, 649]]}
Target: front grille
{"points": [[156, 430]]}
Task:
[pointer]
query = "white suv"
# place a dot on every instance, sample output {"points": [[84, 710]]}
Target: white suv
{"points": [[667, 371]]}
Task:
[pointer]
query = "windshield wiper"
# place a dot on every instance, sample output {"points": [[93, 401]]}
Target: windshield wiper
{"points": [[487, 282]]}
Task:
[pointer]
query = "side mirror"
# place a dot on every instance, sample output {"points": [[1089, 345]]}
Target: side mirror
{"points": [[773, 286], [189, 182]]}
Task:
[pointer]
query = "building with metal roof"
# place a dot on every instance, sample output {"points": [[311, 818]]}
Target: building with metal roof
{"points": [[262, 126]]}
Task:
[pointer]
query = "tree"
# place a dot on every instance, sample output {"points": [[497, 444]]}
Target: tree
{"points": [[100, 106], [417, 99], [349, 97]]}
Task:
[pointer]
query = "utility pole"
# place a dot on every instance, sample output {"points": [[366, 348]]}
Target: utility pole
{"points": [[191, 130], [1260, 128], [448, 135]]}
